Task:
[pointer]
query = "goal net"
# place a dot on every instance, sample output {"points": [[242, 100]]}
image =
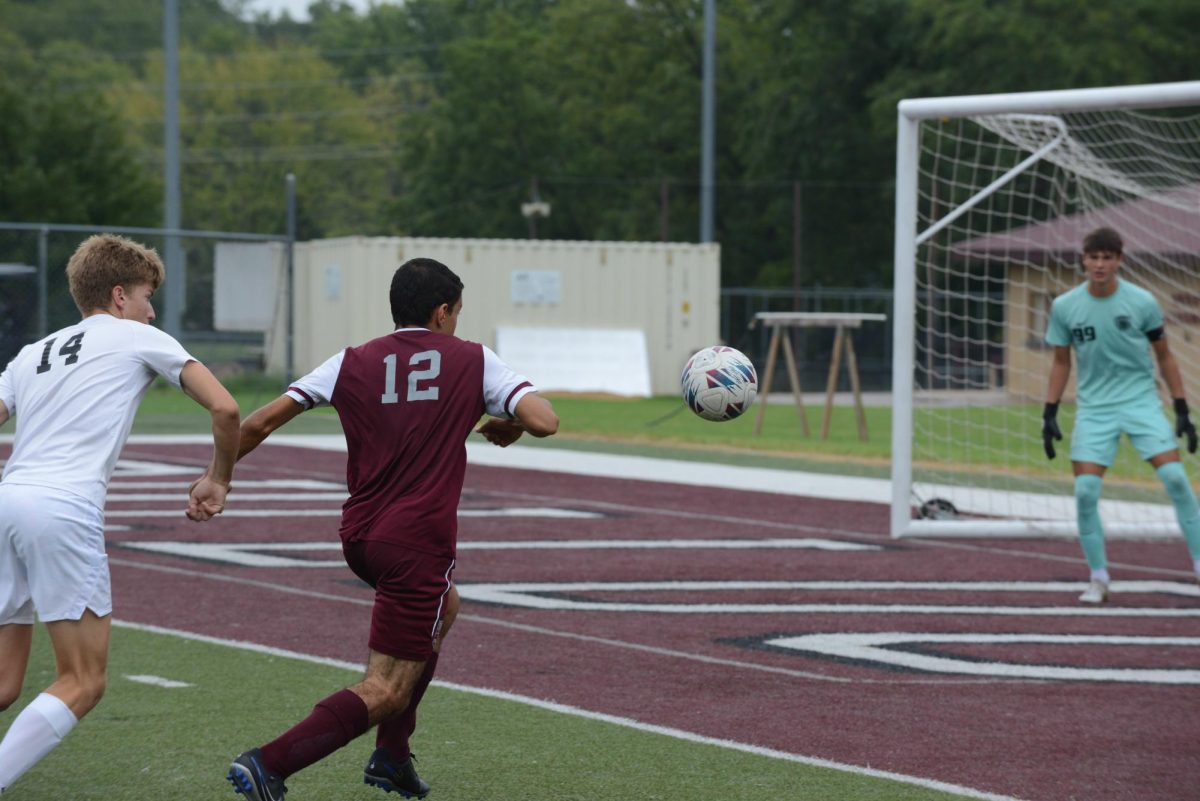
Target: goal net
{"points": [[994, 195]]}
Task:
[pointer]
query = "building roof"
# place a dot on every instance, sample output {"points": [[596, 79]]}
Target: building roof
{"points": [[1159, 225]]}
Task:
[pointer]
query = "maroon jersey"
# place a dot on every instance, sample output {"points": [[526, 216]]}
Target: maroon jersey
{"points": [[407, 402]]}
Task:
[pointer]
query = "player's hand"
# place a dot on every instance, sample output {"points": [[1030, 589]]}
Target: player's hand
{"points": [[501, 432], [206, 499], [1183, 424], [1050, 430]]}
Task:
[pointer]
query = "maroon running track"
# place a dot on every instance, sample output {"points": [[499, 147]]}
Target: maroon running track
{"points": [[713, 671]]}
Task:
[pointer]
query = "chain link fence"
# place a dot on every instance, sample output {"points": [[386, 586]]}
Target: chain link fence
{"points": [[35, 299]]}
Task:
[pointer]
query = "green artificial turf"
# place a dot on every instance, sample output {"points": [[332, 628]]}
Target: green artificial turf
{"points": [[149, 742], [993, 446]]}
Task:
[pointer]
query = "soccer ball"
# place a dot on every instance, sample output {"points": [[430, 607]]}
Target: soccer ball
{"points": [[719, 383]]}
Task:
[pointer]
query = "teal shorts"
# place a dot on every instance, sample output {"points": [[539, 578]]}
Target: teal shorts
{"points": [[1098, 432]]}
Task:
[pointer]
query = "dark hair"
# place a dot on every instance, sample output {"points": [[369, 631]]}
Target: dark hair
{"points": [[1103, 240], [419, 287]]}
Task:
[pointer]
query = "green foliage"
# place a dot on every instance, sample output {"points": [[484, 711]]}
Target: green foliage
{"points": [[65, 155], [432, 117]]}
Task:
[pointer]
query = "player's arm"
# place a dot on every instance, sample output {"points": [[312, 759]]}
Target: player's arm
{"points": [[207, 495], [262, 421], [3, 413], [533, 414], [1168, 367], [1060, 373], [536, 415], [203, 387]]}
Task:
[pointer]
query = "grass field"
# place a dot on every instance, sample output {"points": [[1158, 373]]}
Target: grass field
{"points": [[959, 444], [145, 741]]}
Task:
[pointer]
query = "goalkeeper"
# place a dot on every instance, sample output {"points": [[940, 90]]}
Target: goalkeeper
{"points": [[1113, 325]]}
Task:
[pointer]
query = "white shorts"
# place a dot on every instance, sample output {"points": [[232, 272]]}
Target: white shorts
{"points": [[52, 557]]}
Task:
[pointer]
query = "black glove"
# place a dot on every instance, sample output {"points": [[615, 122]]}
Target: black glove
{"points": [[1183, 424], [1050, 430]]}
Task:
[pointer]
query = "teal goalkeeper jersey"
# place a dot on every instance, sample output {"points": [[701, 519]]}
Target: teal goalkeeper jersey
{"points": [[1109, 336]]}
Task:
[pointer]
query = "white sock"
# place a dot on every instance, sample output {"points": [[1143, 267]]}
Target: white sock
{"points": [[33, 734], [1196, 565], [1100, 575]]}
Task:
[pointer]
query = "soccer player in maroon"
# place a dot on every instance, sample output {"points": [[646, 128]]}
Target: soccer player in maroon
{"points": [[407, 402]]}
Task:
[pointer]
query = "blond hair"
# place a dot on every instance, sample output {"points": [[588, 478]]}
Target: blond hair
{"points": [[104, 261]]}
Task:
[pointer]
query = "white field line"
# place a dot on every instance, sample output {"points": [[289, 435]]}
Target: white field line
{"points": [[509, 511], [259, 554], [182, 497], [703, 474], [564, 709], [539, 630], [240, 484], [159, 681], [874, 647]]}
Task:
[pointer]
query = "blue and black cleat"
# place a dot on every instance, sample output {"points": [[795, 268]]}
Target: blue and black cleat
{"points": [[388, 775], [251, 778]]}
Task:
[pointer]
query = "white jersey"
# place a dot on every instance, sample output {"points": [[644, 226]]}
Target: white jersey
{"points": [[74, 395]]}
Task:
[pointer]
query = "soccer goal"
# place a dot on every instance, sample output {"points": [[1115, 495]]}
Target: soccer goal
{"points": [[993, 195]]}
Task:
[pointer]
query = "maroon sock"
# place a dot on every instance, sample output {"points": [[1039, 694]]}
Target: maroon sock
{"points": [[395, 731], [334, 722]]}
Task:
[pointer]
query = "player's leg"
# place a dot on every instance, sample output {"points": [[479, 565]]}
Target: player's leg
{"points": [[1088, 478], [1093, 447], [81, 660], [418, 589], [397, 622], [334, 722], [61, 542], [15, 642], [16, 604], [1174, 477], [81, 657], [1154, 439], [394, 733]]}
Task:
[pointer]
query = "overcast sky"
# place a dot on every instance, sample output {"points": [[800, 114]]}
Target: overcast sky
{"points": [[298, 9]]}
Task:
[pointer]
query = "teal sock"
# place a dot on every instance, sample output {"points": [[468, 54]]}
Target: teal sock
{"points": [[1187, 511], [1087, 514]]}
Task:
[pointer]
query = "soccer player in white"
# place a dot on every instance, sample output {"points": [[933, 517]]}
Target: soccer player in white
{"points": [[1113, 326], [74, 395]]}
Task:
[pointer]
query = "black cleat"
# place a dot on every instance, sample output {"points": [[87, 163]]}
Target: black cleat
{"points": [[252, 779], [385, 773]]}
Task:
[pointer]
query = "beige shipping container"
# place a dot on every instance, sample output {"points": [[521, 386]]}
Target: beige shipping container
{"points": [[668, 291]]}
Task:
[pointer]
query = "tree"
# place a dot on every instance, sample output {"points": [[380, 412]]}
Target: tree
{"points": [[65, 154]]}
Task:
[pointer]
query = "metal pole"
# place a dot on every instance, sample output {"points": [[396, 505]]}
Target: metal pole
{"points": [[537, 198], [176, 287], [796, 333], [42, 281], [291, 279], [664, 210], [707, 121], [904, 320], [797, 231]]}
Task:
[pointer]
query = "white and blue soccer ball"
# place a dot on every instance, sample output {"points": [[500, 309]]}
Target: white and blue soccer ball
{"points": [[719, 383]]}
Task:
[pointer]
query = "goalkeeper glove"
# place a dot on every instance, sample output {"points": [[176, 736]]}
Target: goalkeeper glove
{"points": [[1050, 430], [1183, 424]]}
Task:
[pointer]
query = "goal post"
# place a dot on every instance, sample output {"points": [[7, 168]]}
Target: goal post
{"points": [[993, 195]]}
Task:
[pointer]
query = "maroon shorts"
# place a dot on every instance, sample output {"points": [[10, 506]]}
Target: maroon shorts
{"points": [[410, 596]]}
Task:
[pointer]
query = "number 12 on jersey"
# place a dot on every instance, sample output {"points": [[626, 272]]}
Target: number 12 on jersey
{"points": [[416, 392]]}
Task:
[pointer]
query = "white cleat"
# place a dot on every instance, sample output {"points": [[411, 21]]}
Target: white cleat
{"points": [[1096, 593]]}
